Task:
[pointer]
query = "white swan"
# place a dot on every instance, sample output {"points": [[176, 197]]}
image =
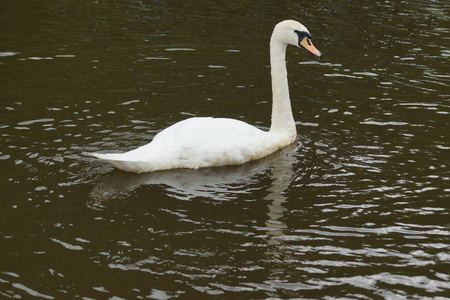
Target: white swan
{"points": [[207, 142]]}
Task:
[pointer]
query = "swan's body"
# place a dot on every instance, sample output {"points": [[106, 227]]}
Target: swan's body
{"points": [[207, 142]]}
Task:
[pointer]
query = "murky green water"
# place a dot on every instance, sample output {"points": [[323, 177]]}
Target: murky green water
{"points": [[358, 208]]}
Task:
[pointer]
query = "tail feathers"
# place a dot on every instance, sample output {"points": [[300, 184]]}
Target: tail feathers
{"points": [[108, 156], [117, 160]]}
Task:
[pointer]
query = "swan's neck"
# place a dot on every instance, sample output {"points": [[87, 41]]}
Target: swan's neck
{"points": [[282, 118]]}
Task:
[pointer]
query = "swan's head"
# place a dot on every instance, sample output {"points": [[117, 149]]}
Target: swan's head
{"points": [[293, 33]]}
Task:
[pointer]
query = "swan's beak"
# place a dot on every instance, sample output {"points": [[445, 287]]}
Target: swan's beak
{"points": [[308, 45]]}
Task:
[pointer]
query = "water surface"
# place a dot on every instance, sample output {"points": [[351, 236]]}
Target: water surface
{"points": [[356, 208]]}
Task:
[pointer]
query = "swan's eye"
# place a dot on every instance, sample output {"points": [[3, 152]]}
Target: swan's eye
{"points": [[302, 34], [309, 41]]}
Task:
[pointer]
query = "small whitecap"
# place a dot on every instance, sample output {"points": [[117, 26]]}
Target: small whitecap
{"points": [[39, 58], [340, 75], [157, 58], [180, 49], [445, 53], [130, 102], [29, 122], [381, 123], [64, 55], [8, 53], [216, 67], [365, 73], [307, 124], [67, 245]]}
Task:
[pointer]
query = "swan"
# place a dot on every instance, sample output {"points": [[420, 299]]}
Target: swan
{"points": [[207, 142]]}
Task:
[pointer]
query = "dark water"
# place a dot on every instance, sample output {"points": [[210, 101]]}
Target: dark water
{"points": [[357, 209]]}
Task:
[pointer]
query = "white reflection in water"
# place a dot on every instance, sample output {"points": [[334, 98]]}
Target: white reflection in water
{"points": [[213, 183], [282, 175]]}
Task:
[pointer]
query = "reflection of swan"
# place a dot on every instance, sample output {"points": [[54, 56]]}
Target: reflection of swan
{"points": [[282, 178], [206, 142], [213, 183]]}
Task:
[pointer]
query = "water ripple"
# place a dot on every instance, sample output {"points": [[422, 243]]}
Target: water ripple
{"points": [[357, 209]]}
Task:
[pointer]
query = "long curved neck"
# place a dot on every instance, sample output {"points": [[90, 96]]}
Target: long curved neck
{"points": [[282, 118]]}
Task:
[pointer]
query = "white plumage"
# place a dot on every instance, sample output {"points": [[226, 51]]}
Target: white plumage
{"points": [[207, 142]]}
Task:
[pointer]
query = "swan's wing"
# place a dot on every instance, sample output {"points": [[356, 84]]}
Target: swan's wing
{"points": [[195, 143]]}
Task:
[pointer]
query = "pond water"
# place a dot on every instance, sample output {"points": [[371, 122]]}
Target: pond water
{"points": [[357, 208]]}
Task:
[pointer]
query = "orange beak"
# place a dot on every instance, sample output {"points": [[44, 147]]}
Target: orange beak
{"points": [[307, 45]]}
